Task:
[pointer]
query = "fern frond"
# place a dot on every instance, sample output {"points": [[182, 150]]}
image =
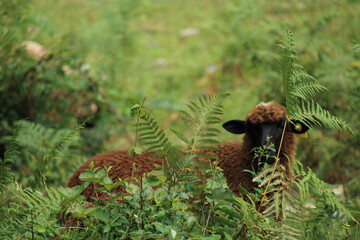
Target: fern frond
{"points": [[320, 187], [152, 136], [51, 138], [5, 175], [280, 203], [299, 88], [65, 141], [297, 83], [255, 223], [356, 47], [311, 113], [201, 118], [286, 200], [38, 138], [157, 143], [307, 89], [33, 213]]}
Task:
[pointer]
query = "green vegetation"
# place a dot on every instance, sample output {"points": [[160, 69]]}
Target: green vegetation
{"points": [[70, 72]]}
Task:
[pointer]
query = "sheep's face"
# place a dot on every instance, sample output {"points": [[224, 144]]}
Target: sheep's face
{"points": [[264, 126]]}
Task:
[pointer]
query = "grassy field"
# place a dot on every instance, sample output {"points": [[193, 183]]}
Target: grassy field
{"points": [[135, 49]]}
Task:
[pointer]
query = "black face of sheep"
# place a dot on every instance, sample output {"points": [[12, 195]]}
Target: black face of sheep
{"points": [[264, 134]]}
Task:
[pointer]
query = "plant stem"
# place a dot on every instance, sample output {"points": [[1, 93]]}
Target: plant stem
{"points": [[141, 201], [137, 124], [274, 168], [207, 223]]}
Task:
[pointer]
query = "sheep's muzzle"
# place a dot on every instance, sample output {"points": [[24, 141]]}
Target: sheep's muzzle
{"points": [[267, 137]]}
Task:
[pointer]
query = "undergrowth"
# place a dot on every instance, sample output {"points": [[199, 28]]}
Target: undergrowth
{"points": [[186, 199]]}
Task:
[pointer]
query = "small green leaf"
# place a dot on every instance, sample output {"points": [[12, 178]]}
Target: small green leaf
{"points": [[190, 221], [101, 215], [135, 150], [100, 174], [172, 233], [131, 152], [228, 236], [184, 195], [91, 165], [161, 227], [107, 228], [134, 110], [88, 177]]}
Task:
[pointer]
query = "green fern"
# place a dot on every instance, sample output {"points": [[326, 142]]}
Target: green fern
{"points": [[40, 145], [55, 153], [282, 199], [32, 214], [287, 201], [152, 135], [5, 175], [254, 225], [311, 113], [299, 88], [202, 118], [281, 202], [154, 138], [37, 138], [356, 47]]}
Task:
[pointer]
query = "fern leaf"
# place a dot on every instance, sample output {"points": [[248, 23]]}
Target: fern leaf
{"points": [[305, 90], [201, 118], [299, 88], [311, 113], [54, 153], [5, 175], [152, 136], [262, 174], [332, 200], [258, 224], [357, 47]]}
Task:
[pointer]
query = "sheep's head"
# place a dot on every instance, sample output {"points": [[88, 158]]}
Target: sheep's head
{"points": [[263, 127]]}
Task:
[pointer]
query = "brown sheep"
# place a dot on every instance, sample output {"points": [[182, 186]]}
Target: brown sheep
{"points": [[264, 121]]}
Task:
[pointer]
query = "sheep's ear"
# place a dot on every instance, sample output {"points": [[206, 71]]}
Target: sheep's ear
{"points": [[299, 128], [235, 126]]}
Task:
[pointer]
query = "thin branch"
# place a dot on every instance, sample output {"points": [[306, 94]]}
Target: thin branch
{"points": [[274, 168], [138, 122]]}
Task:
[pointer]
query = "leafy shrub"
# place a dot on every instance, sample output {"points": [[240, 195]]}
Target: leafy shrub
{"points": [[157, 206], [177, 202]]}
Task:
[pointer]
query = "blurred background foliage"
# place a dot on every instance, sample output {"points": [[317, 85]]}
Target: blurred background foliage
{"points": [[66, 62]]}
